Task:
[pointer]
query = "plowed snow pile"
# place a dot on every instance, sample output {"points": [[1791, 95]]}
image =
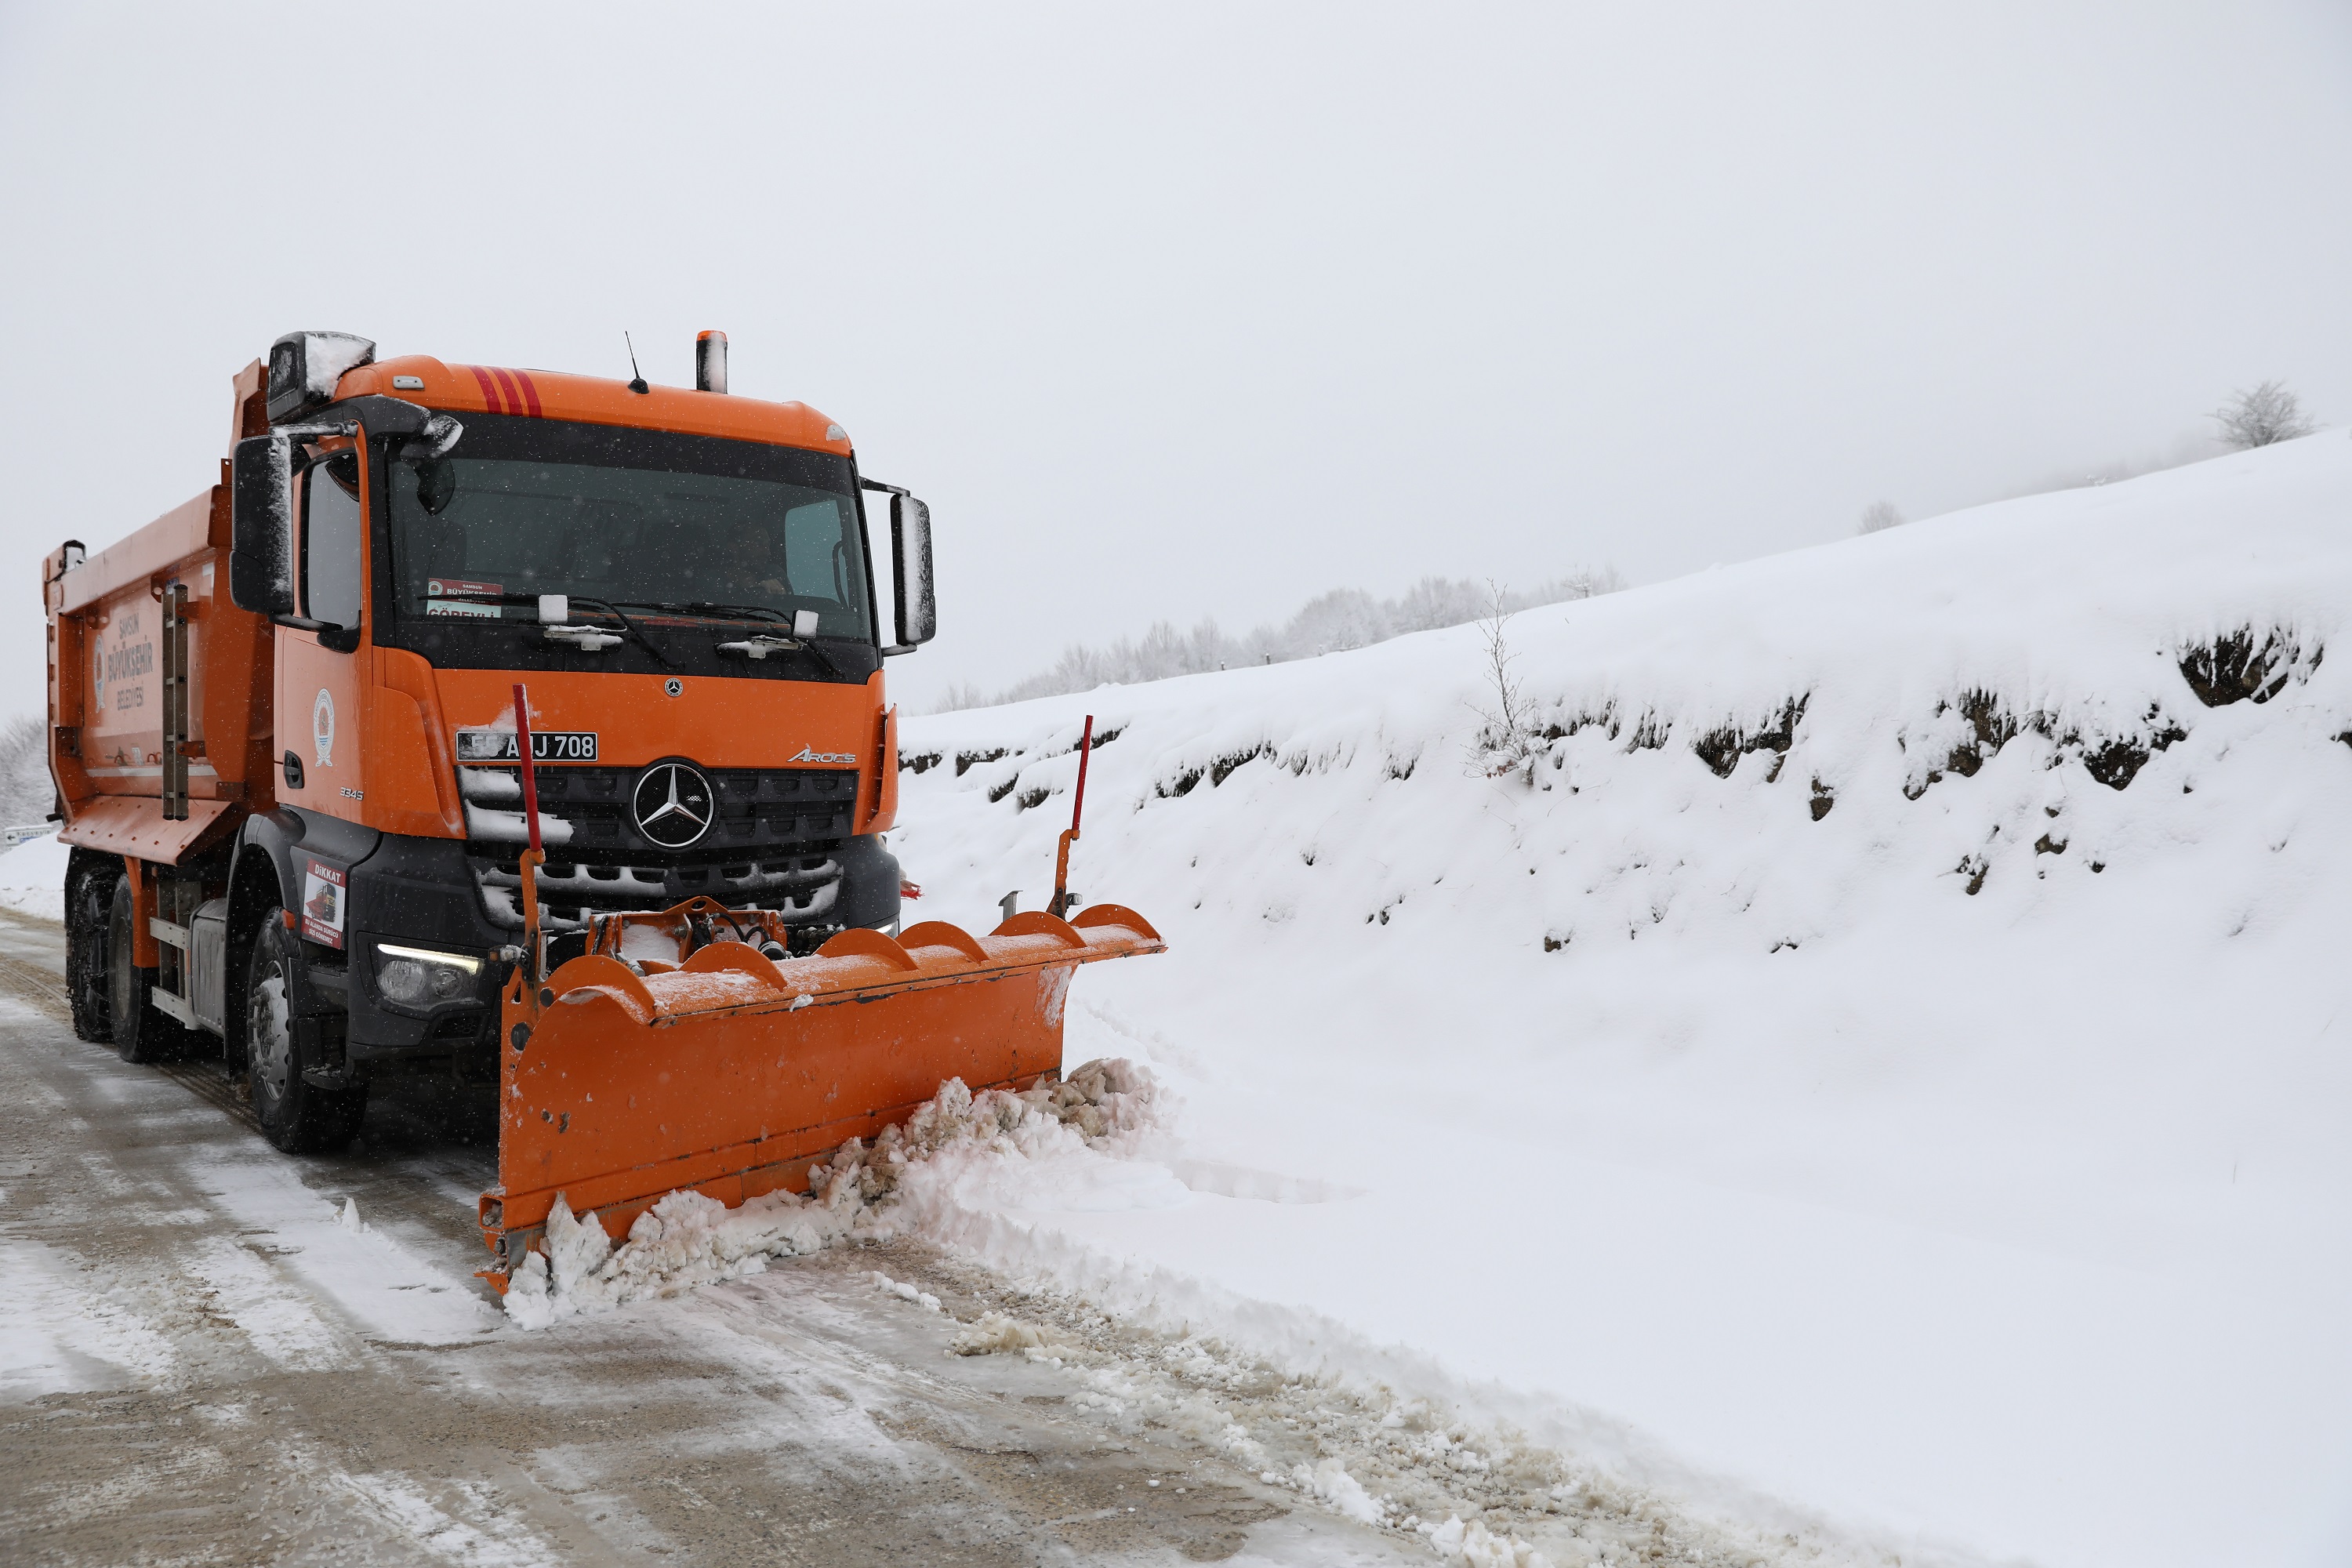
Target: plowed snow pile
{"points": [[1056, 1141], [1877, 1038]]}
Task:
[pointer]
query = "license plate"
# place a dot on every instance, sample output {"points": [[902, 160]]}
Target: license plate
{"points": [[546, 746]]}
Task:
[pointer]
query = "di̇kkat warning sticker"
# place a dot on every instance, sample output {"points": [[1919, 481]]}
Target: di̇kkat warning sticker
{"points": [[322, 902], [459, 597]]}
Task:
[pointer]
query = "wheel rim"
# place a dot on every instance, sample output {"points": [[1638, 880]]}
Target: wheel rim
{"points": [[121, 976], [270, 1037]]}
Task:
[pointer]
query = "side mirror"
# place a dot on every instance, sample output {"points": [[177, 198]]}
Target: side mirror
{"points": [[261, 525], [263, 567], [910, 554]]}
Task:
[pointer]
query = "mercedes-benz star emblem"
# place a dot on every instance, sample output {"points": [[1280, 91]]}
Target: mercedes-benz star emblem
{"points": [[672, 804]]}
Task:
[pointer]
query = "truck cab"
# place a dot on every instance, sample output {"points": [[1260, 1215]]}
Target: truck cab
{"points": [[298, 814]]}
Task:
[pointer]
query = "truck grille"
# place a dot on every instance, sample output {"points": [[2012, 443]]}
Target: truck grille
{"points": [[768, 846]]}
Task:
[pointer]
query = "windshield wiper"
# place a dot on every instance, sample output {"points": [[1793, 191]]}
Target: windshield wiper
{"points": [[711, 611], [607, 606]]}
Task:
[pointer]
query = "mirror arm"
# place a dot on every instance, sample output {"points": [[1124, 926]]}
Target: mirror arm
{"points": [[316, 432], [428, 433], [866, 484]]}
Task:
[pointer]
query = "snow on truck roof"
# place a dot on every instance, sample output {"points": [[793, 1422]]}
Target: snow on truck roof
{"points": [[593, 400]]}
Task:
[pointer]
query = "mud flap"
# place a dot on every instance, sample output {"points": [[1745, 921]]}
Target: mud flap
{"points": [[731, 1073]]}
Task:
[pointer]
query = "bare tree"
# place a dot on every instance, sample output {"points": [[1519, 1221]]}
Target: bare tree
{"points": [[1344, 618], [1878, 516], [2267, 414], [960, 695], [1506, 741]]}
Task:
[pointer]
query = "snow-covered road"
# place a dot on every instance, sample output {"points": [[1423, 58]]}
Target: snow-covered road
{"points": [[201, 1360]]}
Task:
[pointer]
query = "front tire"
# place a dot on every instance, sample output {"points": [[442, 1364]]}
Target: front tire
{"points": [[141, 1031], [296, 1115]]}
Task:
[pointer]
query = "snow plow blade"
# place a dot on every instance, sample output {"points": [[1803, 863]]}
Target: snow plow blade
{"points": [[731, 1073]]}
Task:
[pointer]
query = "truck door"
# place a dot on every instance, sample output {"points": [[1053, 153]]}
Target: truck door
{"points": [[319, 704]]}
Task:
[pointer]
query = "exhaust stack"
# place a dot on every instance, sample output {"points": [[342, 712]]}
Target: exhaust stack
{"points": [[711, 361]]}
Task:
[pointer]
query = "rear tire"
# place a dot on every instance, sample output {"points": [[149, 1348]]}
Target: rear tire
{"points": [[90, 914], [296, 1115], [141, 1032]]}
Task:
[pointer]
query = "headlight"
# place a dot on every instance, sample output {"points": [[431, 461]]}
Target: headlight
{"points": [[420, 976]]}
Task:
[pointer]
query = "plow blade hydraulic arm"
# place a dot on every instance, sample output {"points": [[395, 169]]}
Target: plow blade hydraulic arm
{"points": [[731, 1073]]}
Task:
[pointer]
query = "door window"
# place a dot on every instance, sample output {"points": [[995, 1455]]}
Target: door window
{"points": [[334, 552]]}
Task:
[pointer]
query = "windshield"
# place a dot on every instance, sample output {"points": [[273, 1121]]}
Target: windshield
{"points": [[642, 520]]}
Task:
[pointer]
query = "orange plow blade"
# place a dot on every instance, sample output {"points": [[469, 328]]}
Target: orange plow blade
{"points": [[731, 1073]]}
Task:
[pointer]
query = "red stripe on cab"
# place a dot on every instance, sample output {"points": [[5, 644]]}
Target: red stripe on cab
{"points": [[490, 393], [514, 393], [530, 393]]}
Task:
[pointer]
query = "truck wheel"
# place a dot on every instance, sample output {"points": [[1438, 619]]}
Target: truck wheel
{"points": [[296, 1115], [141, 1032], [89, 912]]}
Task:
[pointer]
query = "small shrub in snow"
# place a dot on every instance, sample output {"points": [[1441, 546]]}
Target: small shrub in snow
{"points": [[1721, 749], [2268, 414], [1878, 516], [2235, 669], [1506, 735]]}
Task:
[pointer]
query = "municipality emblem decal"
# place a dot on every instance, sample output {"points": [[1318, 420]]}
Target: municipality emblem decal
{"points": [[322, 728]]}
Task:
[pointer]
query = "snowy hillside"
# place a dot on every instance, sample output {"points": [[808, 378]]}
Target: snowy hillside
{"points": [[1886, 1051]]}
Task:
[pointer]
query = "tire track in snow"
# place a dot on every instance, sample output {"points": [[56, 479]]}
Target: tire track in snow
{"points": [[400, 1501], [268, 1311]]}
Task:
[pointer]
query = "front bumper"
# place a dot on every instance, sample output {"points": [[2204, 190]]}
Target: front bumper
{"points": [[429, 893]]}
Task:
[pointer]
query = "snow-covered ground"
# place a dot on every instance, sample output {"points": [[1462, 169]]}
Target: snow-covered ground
{"points": [[33, 878], [1887, 1053], [1871, 1067]]}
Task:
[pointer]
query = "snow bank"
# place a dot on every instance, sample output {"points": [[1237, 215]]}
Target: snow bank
{"points": [[33, 878], [1873, 1033]]}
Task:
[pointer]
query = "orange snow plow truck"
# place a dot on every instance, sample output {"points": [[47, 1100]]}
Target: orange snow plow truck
{"points": [[526, 732]]}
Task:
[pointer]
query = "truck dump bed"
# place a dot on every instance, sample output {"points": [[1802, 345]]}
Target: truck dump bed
{"points": [[159, 686]]}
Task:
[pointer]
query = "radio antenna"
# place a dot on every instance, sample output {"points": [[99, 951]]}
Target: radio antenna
{"points": [[637, 377]]}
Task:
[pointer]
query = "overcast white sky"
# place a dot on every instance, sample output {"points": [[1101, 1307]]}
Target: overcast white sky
{"points": [[1204, 310]]}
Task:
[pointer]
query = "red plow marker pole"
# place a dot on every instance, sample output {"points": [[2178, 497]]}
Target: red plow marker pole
{"points": [[1059, 908]]}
